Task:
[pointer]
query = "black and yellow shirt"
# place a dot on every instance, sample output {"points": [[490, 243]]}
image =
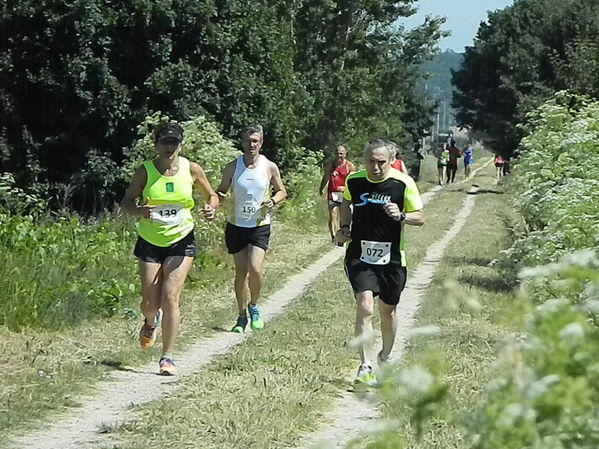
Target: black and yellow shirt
{"points": [[369, 220]]}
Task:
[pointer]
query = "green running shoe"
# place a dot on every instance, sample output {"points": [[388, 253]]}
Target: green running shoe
{"points": [[242, 322], [366, 375], [256, 322]]}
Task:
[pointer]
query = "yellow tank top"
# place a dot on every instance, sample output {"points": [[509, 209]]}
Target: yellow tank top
{"points": [[171, 220]]}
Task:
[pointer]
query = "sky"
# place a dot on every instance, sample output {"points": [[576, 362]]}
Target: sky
{"points": [[463, 18]]}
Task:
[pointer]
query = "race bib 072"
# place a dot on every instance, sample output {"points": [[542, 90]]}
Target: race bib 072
{"points": [[375, 253]]}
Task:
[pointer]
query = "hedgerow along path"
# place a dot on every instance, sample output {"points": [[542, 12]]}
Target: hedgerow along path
{"points": [[84, 427]]}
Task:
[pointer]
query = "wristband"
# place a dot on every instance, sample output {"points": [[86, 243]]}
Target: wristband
{"points": [[402, 216]]}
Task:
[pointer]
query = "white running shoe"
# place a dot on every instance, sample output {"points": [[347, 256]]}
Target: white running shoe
{"points": [[365, 375]]}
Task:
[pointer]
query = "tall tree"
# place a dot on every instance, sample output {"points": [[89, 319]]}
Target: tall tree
{"points": [[78, 76], [520, 57], [358, 67]]}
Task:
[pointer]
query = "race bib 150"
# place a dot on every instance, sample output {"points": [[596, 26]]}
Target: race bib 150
{"points": [[249, 210]]}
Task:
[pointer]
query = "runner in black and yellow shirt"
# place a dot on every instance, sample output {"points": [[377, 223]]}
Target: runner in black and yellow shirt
{"points": [[383, 200]]}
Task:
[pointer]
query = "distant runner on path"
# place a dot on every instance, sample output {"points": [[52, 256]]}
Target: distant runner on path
{"points": [[160, 194], [452, 163], [499, 162], [442, 159], [467, 154], [247, 231], [383, 200], [334, 178]]}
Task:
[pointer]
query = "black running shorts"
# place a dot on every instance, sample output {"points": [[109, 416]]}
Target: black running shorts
{"points": [[237, 237], [385, 281], [148, 252]]}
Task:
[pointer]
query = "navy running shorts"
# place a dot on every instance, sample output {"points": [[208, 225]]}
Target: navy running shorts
{"points": [[148, 252], [384, 281], [237, 237]]}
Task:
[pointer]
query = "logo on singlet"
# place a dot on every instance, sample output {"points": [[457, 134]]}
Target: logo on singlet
{"points": [[170, 187], [373, 198]]}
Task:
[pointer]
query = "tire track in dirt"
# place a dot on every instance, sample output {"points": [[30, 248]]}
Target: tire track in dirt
{"points": [[85, 427]]}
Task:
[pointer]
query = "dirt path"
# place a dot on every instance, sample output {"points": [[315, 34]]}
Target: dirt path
{"points": [[82, 428]]}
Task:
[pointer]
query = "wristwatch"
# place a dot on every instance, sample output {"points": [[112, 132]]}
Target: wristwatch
{"points": [[402, 216]]}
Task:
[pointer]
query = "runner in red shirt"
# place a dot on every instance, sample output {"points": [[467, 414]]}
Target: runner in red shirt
{"points": [[499, 162], [334, 176], [452, 163], [399, 164]]}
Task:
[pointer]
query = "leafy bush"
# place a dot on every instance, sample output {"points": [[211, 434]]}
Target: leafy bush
{"points": [[304, 206], [545, 392], [555, 182], [59, 272], [203, 143], [15, 200]]}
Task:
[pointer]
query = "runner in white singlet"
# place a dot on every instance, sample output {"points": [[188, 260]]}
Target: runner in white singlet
{"points": [[250, 178]]}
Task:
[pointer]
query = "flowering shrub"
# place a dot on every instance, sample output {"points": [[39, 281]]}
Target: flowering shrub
{"points": [[555, 182], [545, 389]]}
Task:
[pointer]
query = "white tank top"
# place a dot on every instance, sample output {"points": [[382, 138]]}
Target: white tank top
{"points": [[251, 187]]}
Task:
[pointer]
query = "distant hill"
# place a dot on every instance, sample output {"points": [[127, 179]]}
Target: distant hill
{"points": [[436, 83]]}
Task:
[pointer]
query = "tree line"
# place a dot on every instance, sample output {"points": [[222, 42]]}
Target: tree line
{"points": [[521, 57], [77, 77]]}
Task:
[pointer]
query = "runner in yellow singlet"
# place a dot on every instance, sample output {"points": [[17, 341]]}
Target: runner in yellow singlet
{"points": [[250, 177], [160, 194]]}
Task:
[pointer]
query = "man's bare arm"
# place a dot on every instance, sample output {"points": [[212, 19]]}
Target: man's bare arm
{"points": [[226, 181], [280, 193]]}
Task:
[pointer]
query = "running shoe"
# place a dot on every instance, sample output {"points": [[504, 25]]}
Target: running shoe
{"points": [[167, 367], [242, 322], [147, 333], [256, 322], [366, 375]]}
